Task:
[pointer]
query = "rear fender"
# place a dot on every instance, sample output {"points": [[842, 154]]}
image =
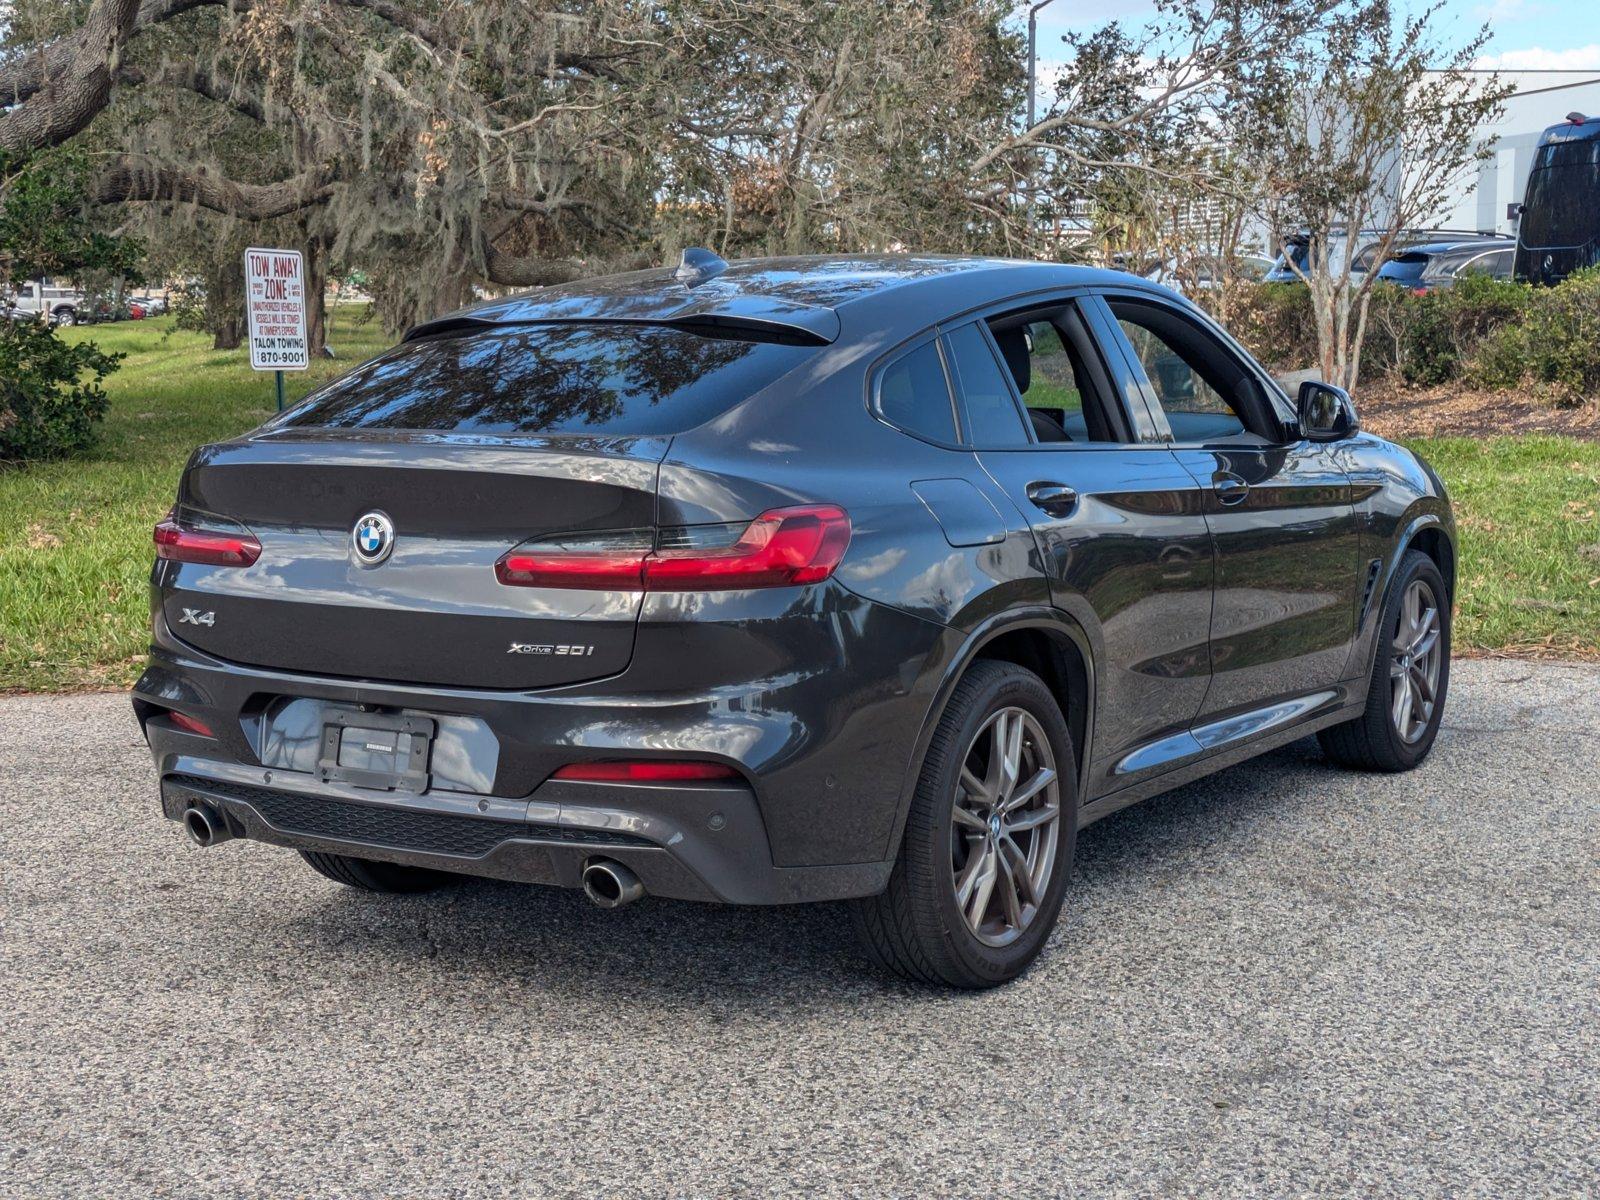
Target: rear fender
{"points": [[1048, 620]]}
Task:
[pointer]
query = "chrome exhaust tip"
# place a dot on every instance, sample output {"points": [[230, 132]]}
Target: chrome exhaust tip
{"points": [[205, 826], [610, 884]]}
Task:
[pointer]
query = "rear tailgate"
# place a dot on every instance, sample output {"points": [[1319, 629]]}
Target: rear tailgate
{"points": [[432, 611]]}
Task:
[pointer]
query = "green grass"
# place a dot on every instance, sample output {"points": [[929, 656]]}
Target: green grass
{"points": [[1528, 511], [75, 536]]}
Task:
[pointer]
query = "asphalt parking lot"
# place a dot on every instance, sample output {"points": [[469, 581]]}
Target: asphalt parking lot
{"points": [[1285, 980]]}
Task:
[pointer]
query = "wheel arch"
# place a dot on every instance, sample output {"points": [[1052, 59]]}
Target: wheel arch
{"points": [[1430, 533], [1046, 641]]}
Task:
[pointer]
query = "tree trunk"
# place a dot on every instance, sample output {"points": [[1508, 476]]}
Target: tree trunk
{"points": [[225, 303], [316, 255]]}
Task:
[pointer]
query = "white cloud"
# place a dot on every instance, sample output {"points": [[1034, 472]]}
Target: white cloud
{"points": [[1537, 58]]}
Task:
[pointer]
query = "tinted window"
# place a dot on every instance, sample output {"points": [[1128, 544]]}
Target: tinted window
{"points": [[1563, 201], [1496, 265], [1406, 268], [1177, 360], [992, 416], [629, 379], [913, 394]]}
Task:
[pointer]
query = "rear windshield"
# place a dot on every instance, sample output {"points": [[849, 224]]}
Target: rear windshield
{"points": [[1563, 200], [636, 380]]}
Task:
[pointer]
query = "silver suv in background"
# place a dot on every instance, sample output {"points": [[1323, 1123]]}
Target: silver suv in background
{"points": [[1366, 243]]}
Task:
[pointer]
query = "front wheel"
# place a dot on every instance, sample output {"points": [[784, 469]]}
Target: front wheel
{"points": [[1410, 676], [989, 839]]}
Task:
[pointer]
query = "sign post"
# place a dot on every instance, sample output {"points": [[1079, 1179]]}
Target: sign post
{"points": [[275, 308]]}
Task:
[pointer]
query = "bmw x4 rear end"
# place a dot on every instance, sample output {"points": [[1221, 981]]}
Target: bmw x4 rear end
{"points": [[547, 600]]}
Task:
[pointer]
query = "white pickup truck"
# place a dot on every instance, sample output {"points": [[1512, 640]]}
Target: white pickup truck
{"points": [[60, 305]]}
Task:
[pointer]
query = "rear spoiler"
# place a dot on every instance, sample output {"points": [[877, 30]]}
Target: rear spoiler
{"points": [[711, 325], [708, 308]]}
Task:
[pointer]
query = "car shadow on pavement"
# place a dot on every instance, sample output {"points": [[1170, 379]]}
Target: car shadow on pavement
{"points": [[554, 942]]}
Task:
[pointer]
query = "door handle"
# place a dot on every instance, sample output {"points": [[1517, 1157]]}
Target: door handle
{"points": [[1230, 489], [1057, 499]]}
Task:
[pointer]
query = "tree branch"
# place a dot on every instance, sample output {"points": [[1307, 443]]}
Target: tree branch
{"points": [[70, 87], [129, 178]]}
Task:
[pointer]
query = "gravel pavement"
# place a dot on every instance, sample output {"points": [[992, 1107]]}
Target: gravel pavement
{"points": [[1285, 980]]}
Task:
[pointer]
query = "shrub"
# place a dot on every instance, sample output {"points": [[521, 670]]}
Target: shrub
{"points": [[1448, 327], [1274, 322], [1560, 340], [47, 408]]}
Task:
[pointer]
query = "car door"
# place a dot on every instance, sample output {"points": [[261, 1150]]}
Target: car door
{"points": [[1118, 521], [1289, 574]]}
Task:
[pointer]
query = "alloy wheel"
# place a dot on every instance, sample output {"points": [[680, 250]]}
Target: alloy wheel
{"points": [[1005, 826], [1414, 663]]}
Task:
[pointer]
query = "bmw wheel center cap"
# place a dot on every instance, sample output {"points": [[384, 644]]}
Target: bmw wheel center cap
{"points": [[372, 539]]}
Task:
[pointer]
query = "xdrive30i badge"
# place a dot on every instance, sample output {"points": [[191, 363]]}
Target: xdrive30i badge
{"points": [[547, 648], [372, 539]]}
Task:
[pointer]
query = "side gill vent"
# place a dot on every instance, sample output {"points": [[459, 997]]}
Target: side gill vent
{"points": [[1374, 568]]}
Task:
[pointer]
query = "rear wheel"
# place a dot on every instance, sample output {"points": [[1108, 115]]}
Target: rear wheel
{"points": [[989, 839], [1410, 676], [370, 876]]}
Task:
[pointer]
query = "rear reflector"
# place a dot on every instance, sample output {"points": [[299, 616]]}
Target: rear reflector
{"points": [[783, 547], [190, 725], [646, 771], [183, 540]]}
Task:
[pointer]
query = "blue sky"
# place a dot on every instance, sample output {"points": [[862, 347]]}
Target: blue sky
{"points": [[1527, 34]]}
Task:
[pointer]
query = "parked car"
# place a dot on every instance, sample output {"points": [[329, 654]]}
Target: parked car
{"points": [[1559, 228], [1434, 265], [867, 579], [59, 304], [1367, 243]]}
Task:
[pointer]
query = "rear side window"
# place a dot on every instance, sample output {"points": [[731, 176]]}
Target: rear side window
{"points": [[992, 416], [637, 380], [914, 395]]}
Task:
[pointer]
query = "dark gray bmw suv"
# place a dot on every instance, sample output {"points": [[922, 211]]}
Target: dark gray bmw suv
{"points": [[787, 580]]}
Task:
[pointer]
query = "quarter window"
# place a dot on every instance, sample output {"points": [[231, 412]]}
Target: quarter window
{"points": [[914, 395]]}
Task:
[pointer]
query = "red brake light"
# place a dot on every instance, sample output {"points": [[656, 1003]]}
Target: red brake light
{"points": [[780, 548], [189, 725], [783, 547], [646, 771], [182, 541]]}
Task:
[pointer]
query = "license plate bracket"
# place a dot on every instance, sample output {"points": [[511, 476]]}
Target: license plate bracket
{"points": [[383, 751]]}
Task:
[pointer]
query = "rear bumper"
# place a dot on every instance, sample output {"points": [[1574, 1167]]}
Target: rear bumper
{"points": [[825, 754], [687, 843]]}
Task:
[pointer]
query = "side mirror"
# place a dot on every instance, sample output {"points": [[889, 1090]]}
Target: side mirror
{"points": [[1326, 412]]}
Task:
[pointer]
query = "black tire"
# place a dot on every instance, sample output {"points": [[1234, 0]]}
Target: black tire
{"points": [[915, 928], [370, 876], [1372, 741]]}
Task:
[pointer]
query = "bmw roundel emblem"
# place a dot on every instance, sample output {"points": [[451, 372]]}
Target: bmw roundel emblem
{"points": [[372, 539]]}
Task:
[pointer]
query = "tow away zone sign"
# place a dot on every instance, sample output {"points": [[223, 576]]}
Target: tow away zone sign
{"points": [[275, 306]]}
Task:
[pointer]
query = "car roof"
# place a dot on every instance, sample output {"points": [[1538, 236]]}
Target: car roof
{"points": [[1571, 131], [816, 296], [1481, 245]]}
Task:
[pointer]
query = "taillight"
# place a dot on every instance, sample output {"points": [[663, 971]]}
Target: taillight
{"points": [[212, 542], [604, 561], [646, 771], [783, 547], [189, 724]]}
